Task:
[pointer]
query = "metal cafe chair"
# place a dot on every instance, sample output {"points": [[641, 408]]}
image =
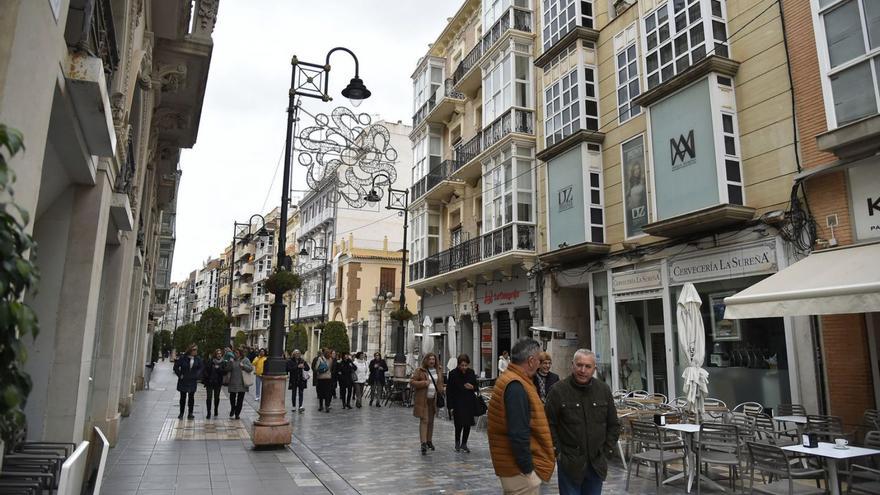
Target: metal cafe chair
{"points": [[828, 428], [718, 444], [790, 410], [864, 476], [750, 408], [767, 432], [651, 446], [772, 461]]}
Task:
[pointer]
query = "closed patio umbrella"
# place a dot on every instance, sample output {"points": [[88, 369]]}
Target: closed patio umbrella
{"points": [[427, 341], [692, 338], [451, 343], [411, 349]]}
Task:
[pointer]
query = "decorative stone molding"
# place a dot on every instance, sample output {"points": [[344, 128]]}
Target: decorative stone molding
{"points": [[206, 18], [169, 120], [145, 74], [172, 77]]}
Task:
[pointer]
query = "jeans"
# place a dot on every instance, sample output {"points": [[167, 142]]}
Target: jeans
{"points": [[296, 392], [258, 383], [346, 391], [213, 396], [236, 400], [591, 484]]}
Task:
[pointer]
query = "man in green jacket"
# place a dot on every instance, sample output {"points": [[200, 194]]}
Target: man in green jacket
{"points": [[584, 425]]}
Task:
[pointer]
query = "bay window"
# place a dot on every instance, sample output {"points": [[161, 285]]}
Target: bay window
{"points": [[680, 33], [508, 187], [427, 153], [506, 83], [425, 227], [570, 95], [426, 82], [848, 36], [562, 16], [627, 65]]}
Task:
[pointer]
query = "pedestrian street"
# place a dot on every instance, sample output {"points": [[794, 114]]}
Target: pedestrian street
{"points": [[369, 451]]}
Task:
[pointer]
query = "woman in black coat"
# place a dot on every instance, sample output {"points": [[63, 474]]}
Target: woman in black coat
{"points": [[378, 367], [188, 369], [544, 379], [212, 377], [296, 369], [461, 387], [345, 371]]}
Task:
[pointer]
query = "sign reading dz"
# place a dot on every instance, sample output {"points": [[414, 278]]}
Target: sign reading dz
{"points": [[566, 198], [683, 151]]}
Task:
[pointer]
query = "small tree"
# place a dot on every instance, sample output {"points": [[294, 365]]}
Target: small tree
{"points": [[211, 333], [297, 338], [165, 343], [239, 339], [18, 276], [335, 337], [184, 336]]}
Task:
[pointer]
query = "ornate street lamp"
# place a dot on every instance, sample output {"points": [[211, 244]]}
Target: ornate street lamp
{"points": [[398, 199], [272, 427], [239, 234]]}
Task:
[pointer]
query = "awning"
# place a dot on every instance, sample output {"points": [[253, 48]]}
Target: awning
{"points": [[837, 281]]}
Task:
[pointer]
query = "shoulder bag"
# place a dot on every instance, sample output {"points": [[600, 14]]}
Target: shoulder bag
{"points": [[441, 401], [480, 407]]}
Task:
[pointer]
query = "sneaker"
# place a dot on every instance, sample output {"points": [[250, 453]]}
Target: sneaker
{"points": [[430, 445], [424, 448], [180, 416], [190, 417], [457, 447], [465, 449]]}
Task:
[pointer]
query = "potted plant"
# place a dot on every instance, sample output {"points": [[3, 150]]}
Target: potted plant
{"points": [[402, 314], [282, 281]]}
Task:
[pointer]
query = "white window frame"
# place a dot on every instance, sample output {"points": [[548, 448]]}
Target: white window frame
{"points": [[871, 56], [591, 171], [502, 187], [735, 156], [711, 12], [554, 10], [586, 100], [626, 45]]}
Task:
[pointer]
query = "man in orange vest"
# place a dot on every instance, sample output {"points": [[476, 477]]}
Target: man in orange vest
{"points": [[519, 436]]}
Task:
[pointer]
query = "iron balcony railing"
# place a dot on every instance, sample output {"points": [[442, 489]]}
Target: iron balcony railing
{"points": [[441, 172], [513, 236], [514, 120], [522, 21], [96, 34], [444, 91], [467, 63]]}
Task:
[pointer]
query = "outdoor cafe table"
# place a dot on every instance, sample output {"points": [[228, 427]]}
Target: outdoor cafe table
{"points": [[689, 430], [831, 454]]}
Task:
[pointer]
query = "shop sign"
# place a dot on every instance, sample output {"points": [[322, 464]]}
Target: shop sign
{"points": [[864, 190], [637, 280], [508, 294], [683, 145], [742, 261]]}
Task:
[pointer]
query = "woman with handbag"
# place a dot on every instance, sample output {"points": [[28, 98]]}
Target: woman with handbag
{"points": [[427, 381], [346, 375], [240, 379], [460, 392], [298, 371], [363, 371], [188, 369], [378, 368]]}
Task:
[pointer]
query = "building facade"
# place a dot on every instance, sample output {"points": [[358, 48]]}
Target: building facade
{"points": [[104, 111], [577, 163]]}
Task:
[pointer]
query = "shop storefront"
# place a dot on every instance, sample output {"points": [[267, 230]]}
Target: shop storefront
{"points": [[503, 316], [634, 330]]}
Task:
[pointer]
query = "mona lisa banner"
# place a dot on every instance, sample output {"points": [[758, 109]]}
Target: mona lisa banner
{"points": [[635, 191]]}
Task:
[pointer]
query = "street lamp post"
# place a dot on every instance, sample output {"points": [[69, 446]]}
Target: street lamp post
{"points": [[262, 232], [398, 199], [272, 428]]}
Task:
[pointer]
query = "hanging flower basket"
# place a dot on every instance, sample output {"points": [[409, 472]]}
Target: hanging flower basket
{"points": [[402, 314], [282, 281]]}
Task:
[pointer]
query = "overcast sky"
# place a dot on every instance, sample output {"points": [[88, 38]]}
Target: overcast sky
{"points": [[228, 174]]}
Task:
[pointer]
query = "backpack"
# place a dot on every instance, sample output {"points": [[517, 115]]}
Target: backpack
{"points": [[323, 367]]}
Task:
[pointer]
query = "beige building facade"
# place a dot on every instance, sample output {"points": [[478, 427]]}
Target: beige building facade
{"points": [[105, 98]]}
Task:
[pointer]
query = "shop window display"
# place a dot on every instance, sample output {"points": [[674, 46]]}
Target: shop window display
{"points": [[746, 359]]}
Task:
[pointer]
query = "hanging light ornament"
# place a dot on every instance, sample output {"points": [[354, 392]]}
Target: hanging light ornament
{"points": [[347, 149]]}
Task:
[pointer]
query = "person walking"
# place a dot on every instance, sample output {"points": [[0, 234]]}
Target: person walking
{"points": [[503, 362], [258, 373], [324, 379], [363, 372], [584, 439], [520, 442], [544, 378], [346, 373], [212, 379], [378, 368], [188, 369], [148, 373], [298, 372], [335, 382], [427, 381], [460, 390], [237, 367]]}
